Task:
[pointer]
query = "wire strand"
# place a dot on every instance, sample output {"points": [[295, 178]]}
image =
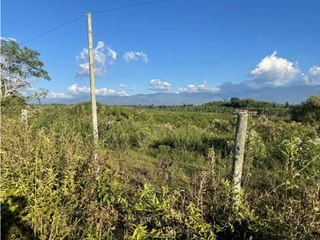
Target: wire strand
{"points": [[52, 29], [128, 6], [95, 12]]}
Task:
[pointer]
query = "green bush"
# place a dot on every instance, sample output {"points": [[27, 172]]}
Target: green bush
{"points": [[308, 111]]}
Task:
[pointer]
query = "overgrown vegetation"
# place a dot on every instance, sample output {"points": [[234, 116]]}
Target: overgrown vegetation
{"points": [[160, 173], [265, 108]]}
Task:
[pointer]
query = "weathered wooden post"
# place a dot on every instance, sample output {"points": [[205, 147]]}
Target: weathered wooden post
{"points": [[238, 154]]}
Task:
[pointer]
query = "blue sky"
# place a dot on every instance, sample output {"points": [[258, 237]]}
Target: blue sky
{"points": [[173, 45]]}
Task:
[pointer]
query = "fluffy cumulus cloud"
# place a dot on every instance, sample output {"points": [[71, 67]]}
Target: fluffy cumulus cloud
{"points": [[201, 88], [158, 85], [273, 71], [135, 56], [313, 77], [103, 56], [57, 95], [80, 91]]}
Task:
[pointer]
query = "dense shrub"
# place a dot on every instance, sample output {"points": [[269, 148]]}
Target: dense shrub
{"points": [[308, 111]]}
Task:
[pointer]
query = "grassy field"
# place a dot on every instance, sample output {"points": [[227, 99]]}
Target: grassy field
{"points": [[161, 173]]}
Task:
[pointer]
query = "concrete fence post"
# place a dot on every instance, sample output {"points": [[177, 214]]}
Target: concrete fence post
{"points": [[238, 154]]}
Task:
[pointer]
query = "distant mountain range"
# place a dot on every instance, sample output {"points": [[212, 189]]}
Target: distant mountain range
{"points": [[292, 94]]}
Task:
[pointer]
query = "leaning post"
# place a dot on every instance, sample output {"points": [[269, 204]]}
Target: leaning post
{"points": [[238, 154]]}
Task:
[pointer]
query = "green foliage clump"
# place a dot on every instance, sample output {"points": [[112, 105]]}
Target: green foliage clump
{"points": [[17, 66], [159, 214], [308, 112]]}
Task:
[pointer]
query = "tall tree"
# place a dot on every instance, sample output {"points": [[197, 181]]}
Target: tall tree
{"points": [[17, 66], [308, 111]]}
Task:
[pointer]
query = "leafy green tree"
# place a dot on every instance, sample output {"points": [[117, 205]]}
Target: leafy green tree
{"points": [[17, 66], [308, 111], [235, 102]]}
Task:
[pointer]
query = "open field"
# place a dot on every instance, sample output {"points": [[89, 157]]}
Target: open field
{"points": [[160, 173]]}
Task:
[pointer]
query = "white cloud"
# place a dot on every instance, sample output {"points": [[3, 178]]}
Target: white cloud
{"points": [[157, 85], [273, 71], [122, 85], [102, 55], [203, 88], [78, 90], [313, 77], [57, 95], [110, 92], [74, 89], [8, 39], [112, 54], [135, 56]]}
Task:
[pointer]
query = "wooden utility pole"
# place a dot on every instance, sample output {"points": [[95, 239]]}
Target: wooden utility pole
{"points": [[92, 84], [238, 154]]}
